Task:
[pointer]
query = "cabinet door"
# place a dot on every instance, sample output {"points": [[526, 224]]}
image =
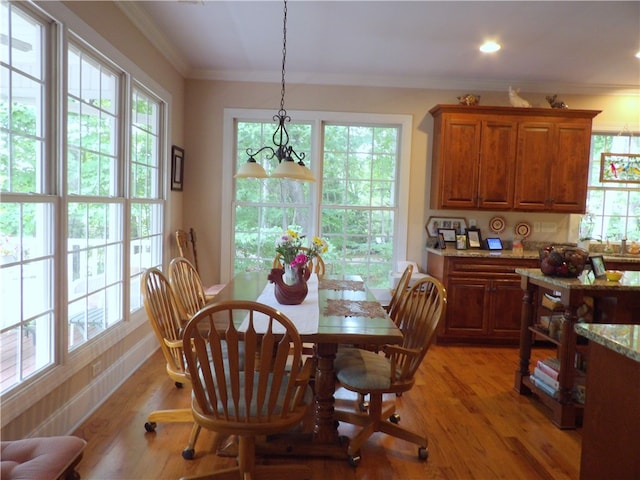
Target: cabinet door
{"points": [[497, 164], [467, 302], [459, 163], [534, 165], [570, 169], [506, 308]]}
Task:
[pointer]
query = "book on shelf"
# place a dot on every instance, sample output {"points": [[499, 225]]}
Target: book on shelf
{"points": [[552, 362], [549, 390], [543, 377], [549, 370]]}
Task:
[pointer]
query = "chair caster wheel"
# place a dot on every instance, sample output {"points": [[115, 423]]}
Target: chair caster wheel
{"points": [[188, 453], [423, 453], [354, 460], [150, 426], [395, 418], [179, 385]]}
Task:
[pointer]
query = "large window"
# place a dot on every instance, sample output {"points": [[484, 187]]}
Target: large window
{"points": [[613, 206], [355, 205], [99, 201]]}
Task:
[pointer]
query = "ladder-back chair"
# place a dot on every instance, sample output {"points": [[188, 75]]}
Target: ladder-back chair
{"points": [[166, 320]]}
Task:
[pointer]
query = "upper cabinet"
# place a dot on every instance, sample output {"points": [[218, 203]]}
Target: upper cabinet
{"points": [[504, 158]]}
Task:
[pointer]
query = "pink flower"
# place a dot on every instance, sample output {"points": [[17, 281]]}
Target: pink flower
{"points": [[300, 259]]}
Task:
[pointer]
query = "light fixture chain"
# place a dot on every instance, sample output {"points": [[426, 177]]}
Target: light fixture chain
{"points": [[284, 53]]}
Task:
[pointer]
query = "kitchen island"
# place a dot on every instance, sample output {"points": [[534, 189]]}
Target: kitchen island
{"points": [[617, 302], [610, 447]]}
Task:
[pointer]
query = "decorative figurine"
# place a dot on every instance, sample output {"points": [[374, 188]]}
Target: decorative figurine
{"points": [[552, 99], [469, 99], [516, 100]]}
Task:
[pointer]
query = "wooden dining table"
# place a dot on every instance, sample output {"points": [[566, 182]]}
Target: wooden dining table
{"points": [[348, 314]]}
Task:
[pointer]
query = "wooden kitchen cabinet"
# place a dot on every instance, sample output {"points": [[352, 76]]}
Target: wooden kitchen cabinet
{"points": [[552, 165], [505, 158], [484, 298]]}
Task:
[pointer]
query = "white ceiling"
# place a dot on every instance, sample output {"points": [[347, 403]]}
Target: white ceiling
{"points": [[551, 46]]}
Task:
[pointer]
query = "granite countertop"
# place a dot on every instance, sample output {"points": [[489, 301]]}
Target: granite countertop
{"points": [[624, 339], [630, 281], [478, 253]]}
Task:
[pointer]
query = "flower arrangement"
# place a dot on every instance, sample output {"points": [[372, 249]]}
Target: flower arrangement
{"points": [[293, 253]]}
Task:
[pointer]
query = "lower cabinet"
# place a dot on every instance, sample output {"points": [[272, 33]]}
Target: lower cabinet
{"points": [[484, 298]]}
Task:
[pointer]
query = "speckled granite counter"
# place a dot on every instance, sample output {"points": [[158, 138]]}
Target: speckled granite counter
{"points": [[630, 281], [624, 339], [478, 253]]}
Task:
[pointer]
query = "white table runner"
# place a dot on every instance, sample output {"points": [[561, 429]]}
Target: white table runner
{"points": [[304, 316]]}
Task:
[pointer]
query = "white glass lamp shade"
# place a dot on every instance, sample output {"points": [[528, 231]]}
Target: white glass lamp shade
{"points": [[251, 169], [294, 171]]}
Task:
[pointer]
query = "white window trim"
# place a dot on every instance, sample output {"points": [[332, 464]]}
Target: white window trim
{"points": [[27, 394], [318, 118]]}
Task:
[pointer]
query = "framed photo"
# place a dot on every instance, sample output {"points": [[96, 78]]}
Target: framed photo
{"points": [[474, 238], [449, 234], [441, 243], [597, 265], [434, 224], [177, 168], [461, 242]]}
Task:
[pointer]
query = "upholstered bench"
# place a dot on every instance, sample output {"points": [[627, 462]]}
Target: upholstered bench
{"points": [[41, 458]]}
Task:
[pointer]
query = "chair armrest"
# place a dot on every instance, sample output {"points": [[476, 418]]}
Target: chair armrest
{"points": [[173, 343], [398, 350]]}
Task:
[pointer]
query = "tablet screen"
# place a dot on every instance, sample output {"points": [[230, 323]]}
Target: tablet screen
{"points": [[494, 244]]}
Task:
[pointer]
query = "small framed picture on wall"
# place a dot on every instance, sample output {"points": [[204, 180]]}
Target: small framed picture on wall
{"points": [[177, 168]]}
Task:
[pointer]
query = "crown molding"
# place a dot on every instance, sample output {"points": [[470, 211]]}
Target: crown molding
{"points": [[149, 29]]}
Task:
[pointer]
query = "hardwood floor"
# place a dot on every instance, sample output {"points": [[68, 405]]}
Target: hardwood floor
{"points": [[478, 428]]}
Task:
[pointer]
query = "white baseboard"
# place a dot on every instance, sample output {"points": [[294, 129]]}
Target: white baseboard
{"points": [[79, 408]]}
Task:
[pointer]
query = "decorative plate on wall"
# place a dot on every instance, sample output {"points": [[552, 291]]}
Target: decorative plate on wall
{"points": [[523, 229], [497, 224]]}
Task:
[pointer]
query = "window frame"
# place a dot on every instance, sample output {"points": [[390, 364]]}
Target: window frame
{"points": [[63, 23], [318, 119]]}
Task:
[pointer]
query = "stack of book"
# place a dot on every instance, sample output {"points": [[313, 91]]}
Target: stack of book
{"points": [[545, 376]]}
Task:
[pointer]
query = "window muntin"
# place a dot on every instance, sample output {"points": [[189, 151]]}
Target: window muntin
{"points": [[613, 207]]}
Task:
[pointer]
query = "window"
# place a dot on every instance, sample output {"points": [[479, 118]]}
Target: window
{"points": [[613, 208], [27, 208], [355, 205], [100, 201]]}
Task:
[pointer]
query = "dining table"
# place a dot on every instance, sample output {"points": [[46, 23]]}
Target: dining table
{"points": [[337, 310]]}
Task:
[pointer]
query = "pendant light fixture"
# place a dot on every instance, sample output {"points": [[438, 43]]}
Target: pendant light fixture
{"points": [[287, 167]]}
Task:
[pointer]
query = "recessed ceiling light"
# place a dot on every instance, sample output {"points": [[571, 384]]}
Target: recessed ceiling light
{"points": [[490, 47]]}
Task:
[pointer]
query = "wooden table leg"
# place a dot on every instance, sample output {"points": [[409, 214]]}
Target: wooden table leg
{"points": [[325, 430]]}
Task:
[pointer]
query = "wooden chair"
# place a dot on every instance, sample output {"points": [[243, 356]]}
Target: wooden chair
{"points": [[186, 284], [187, 249], [316, 264], [398, 292], [165, 318], [263, 397], [366, 372]]}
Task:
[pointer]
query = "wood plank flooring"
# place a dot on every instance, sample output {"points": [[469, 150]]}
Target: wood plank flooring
{"points": [[478, 428]]}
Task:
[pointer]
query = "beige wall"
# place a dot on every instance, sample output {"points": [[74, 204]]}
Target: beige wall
{"points": [[206, 101]]}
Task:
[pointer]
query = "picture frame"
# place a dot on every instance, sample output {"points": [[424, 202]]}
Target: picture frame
{"points": [[474, 238], [177, 168], [461, 242], [598, 266], [441, 243], [434, 224], [449, 234]]}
